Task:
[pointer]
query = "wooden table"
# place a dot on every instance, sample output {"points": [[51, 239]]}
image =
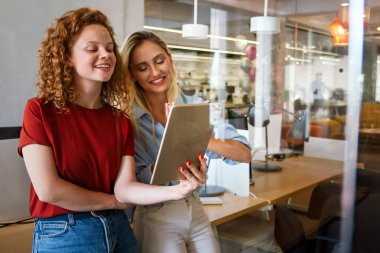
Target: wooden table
{"points": [[298, 174], [233, 207], [369, 132]]}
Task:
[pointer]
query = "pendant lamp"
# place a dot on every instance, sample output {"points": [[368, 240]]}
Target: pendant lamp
{"points": [[344, 14], [339, 33], [265, 24], [195, 31]]}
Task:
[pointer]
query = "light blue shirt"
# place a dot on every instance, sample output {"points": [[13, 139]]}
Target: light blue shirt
{"points": [[146, 149]]}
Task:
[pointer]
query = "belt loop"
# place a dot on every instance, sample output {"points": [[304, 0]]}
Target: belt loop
{"points": [[71, 220], [94, 214]]}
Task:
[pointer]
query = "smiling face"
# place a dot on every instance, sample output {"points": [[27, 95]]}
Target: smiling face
{"points": [[92, 56], [150, 66]]}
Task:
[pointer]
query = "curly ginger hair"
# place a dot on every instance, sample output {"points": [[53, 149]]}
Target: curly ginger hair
{"points": [[55, 82]]}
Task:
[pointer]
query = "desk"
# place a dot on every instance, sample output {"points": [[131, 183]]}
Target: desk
{"points": [[298, 174], [232, 208], [369, 132]]}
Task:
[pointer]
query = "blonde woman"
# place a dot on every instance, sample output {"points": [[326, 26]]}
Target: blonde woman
{"points": [[171, 226]]}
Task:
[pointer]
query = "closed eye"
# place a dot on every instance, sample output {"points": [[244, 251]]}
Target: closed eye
{"points": [[160, 60], [142, 68]]}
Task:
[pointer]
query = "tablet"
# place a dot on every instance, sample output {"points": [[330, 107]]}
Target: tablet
{"points": [[186, 135]]}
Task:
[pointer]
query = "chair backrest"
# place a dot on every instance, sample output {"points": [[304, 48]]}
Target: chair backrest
{"points": [[369, 179], [288, 229], [319, 196], [367, 225]]}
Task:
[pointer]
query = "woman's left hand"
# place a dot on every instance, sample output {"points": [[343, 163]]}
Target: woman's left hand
{"points": [[195, 177]]}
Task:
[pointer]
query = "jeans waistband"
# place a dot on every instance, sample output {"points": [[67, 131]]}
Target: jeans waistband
{"points": [[81, 215]]}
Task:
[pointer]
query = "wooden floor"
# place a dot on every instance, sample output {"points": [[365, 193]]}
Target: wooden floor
{"points": [[16, 238]]}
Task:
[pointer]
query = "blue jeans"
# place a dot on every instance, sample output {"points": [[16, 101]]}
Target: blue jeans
{"points": [[84, 232]]}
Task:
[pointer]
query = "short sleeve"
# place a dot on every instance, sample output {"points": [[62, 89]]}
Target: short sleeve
{"points": [[33, 129], [130, 140]]}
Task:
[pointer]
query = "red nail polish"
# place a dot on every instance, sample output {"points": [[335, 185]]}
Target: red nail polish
{"points": [[188, 163], [181, 169], [201, 156]]}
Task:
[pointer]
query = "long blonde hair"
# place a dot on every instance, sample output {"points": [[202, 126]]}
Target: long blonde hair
{"points": [[55, 82], [137, 93]]}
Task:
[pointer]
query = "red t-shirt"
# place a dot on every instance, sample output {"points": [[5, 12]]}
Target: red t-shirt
{"points": [[88, 145]]}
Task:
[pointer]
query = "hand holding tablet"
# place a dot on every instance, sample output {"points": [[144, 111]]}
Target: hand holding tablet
{"points": [[186, 136]]}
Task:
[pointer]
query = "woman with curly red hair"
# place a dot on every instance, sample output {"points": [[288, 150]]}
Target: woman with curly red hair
{"points": [[77, 142]]}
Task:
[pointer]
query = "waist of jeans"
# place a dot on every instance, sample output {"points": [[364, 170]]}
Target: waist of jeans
{"points": [[82, 215]]}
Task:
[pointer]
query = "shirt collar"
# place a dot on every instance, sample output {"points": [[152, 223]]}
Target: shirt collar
{"points": [[139, 111]]}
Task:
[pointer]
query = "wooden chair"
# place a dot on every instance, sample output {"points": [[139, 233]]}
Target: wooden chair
{"points": [[289, 232]]}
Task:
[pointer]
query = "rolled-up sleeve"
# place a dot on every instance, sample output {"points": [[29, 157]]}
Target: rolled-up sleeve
{"points": [[227, 131]]}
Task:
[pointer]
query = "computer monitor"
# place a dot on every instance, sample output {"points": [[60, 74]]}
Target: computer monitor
{"points": [[299, 130]]}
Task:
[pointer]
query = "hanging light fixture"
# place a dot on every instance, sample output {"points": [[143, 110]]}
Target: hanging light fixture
{"points": [[344, 12], [195, 31], [265, 24], [344, 17], [340, 26], [367, 15], [339, 33]]}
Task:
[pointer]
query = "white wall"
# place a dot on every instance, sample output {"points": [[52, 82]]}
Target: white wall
{"points": [[14, 183], [22, 27]]}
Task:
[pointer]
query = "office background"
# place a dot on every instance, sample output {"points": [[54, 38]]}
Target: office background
{"points": [[303, 48]]}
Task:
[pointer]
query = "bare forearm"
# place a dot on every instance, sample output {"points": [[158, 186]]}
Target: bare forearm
{"points": [[52, 189], [72, 197], [147, 194], [230, 149]]}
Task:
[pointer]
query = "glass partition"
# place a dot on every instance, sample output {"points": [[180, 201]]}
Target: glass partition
{"points": [[299, 74]]}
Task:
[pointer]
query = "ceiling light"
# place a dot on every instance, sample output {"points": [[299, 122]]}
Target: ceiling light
{"points": [[205, 50], [287, 46], [265, 24], [195, 31], [245, 41], [339, 33]]}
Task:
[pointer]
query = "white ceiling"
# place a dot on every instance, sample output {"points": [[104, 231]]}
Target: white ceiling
{"points": [[317, 14]]}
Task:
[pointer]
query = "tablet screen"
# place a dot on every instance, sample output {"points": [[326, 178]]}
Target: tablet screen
{"points": [[186, 135]]}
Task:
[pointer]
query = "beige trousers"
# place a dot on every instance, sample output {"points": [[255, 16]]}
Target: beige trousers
{"points": [[178, 226]]}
